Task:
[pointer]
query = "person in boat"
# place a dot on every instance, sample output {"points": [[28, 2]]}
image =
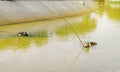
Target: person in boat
{"points": [[25, 33], [93, 43], [22, 34], [89, 44]]}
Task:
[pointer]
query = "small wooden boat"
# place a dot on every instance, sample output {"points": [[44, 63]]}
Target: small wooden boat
{"points": [[22, 34]]}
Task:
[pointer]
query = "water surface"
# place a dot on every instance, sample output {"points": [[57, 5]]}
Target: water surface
{"points": [[54, 47]]}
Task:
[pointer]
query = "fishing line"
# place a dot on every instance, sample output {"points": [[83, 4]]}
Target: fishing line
{"points": [[79, 53], [74, 31]]}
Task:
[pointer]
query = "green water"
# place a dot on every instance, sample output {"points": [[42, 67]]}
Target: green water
{"points": [[53, 45]]}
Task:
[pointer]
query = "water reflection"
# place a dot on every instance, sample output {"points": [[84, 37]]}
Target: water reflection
{"points": [[21, 43], [86, 50], [40, 41], [40, 31], [82, 27], [112, 9], [76, 58], [46, 52], [101, 9]]}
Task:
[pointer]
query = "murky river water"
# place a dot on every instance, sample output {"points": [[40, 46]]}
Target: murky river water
{"points": [[54, 47]]}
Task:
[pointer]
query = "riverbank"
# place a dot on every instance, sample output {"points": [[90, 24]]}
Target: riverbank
{"points": [[27, 11]]}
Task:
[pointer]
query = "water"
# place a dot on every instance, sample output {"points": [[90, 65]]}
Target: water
{"points": [[54, 47]]}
